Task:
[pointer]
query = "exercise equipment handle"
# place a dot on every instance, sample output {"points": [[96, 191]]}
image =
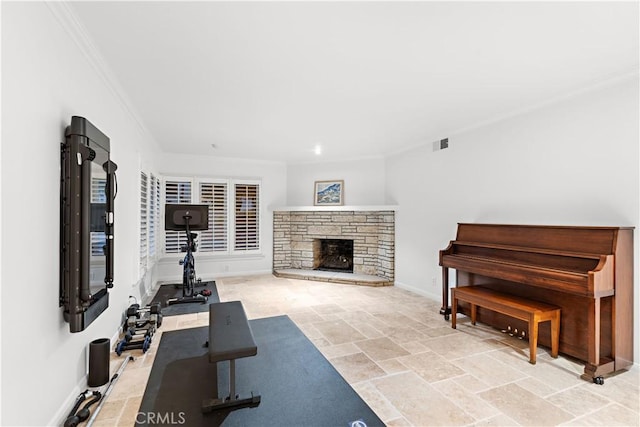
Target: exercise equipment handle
{"points": [[108, 391]]}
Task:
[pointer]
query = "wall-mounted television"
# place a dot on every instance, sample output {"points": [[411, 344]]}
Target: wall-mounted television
{"points": [[87, 193]]}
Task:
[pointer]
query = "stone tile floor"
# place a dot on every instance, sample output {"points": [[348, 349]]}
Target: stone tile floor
{"points": [[407, 363]]}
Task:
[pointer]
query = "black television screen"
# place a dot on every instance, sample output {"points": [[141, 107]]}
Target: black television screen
{"points": [[176, 216]]}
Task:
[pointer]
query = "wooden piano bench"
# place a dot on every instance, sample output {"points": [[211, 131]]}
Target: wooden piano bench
{"points": [[528, 310]]}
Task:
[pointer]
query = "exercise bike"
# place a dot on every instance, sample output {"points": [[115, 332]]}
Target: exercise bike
{"points": [[187, 218]]}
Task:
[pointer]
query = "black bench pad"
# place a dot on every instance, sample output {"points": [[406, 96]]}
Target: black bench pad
{"points": [[230, 335]]}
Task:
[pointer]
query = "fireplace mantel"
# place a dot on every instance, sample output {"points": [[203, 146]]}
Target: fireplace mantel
{"points": [[335, 208]]}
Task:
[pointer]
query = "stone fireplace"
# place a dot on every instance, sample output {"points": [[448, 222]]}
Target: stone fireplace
{"points": [[298, 236]]}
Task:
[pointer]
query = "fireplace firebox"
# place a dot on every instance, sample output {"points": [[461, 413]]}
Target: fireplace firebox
{"points": [[333, 255]]}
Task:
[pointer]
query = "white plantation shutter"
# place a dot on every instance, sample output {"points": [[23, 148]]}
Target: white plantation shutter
{"points": [[143, 218], [215, 238], [234, 214], [154, 198], [176, 191], [247, 233], [159, 221], [98, 195]]}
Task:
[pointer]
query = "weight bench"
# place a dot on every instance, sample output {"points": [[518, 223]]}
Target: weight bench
{"points": [[230, 338], [528, 310]]}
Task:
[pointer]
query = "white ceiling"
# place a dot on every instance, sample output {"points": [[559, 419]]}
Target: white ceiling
{"points": [[270, 80]]}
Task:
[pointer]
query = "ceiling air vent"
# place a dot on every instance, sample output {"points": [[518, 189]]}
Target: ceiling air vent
{"points": [[441, 144]]}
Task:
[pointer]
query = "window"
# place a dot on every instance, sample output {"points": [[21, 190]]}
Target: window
{"points": [[154, 213], [176, 192], [247, 233], [149, 217], [234, 214], [215, 238], [143, 219]]}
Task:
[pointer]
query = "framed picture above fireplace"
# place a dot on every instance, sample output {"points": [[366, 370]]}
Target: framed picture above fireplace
{"points": [[328, 193]]}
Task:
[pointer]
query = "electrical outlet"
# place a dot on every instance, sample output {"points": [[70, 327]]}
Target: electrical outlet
{"points": [[226, 268], [433, 282]]}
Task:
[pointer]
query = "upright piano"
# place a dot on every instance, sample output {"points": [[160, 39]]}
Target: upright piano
{"points": [[586, 271]]}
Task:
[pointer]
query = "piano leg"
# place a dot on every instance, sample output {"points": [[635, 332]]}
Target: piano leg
{"points": [[445, 310], [597, 373], [593, 333], [533, 338]]}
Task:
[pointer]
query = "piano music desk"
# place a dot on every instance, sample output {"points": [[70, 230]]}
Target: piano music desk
{"points": [[528, 310]]}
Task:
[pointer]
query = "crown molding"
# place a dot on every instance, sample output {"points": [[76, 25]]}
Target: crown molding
{"points": [[594, 86], [67, 18]]}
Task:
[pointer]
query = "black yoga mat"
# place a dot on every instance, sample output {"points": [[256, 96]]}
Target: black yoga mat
{"points": [[297, 385], [166, 292]]}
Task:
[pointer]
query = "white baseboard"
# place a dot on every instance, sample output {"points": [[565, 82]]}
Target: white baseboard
{"points": [[419, 291], [178, 279], [244, 273], [61, 415]]}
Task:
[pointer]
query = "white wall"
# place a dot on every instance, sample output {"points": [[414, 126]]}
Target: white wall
{"points": [[46, 78], [571, 163], [273, 177], [364, 181]]}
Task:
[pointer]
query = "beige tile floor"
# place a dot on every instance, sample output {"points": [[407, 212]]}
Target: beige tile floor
{"points": [[407, 363]]}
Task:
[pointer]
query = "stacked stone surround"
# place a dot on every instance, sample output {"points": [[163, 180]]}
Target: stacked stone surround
{"points": [[372, 232]]}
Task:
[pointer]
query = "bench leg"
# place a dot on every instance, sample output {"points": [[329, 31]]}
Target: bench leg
{"points": [[474, 313], [232, 400], [533, 339], [232, 380], [555, 333]]}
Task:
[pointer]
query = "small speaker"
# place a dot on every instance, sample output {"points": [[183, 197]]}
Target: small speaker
{"points": [[98, 362]]}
